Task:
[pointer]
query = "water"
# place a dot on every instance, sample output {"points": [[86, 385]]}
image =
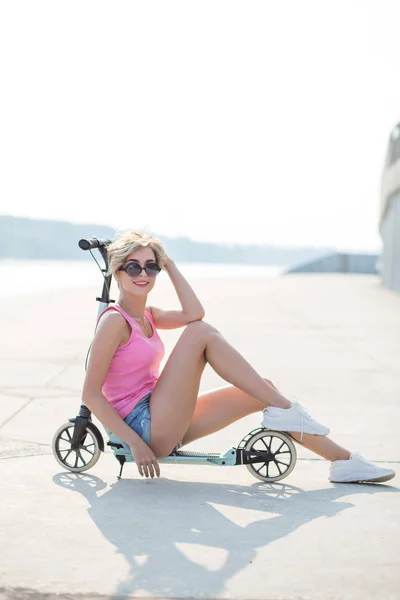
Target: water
{"points": [[27, 277]]}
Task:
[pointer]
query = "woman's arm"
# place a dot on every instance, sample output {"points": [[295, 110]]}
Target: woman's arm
{"points": [[102, 409], [109, 335], [191, 305]]}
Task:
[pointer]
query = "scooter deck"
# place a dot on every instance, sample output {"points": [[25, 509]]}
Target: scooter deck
{"points": [[185, 456], [198, 454], [201, 458]]}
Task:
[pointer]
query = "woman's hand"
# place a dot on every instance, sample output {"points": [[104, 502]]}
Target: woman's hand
{"points": [[145, 459], [167, 263]]}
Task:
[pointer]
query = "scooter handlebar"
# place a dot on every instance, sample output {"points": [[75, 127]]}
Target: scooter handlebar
{"points": [[91, 243]]}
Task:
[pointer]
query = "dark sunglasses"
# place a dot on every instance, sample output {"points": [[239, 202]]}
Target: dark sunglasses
{"points": [[134, 269]]}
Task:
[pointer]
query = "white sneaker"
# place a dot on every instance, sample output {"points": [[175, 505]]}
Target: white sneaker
{"points": [[295, 418], [358, 469]]}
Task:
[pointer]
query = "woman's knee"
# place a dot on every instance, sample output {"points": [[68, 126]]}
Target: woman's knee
{"points": [[199, 329]]}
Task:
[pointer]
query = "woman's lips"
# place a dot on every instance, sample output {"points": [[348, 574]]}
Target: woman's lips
{"points": [[141, 284]]}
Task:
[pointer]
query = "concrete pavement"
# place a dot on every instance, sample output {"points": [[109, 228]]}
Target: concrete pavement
{"points": [[332, 341]]}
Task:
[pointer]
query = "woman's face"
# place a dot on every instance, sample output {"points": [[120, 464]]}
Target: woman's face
{"points": [[143, 283]]}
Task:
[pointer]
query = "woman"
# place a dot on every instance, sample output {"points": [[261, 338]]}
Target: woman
{"points": [[154, 413]]}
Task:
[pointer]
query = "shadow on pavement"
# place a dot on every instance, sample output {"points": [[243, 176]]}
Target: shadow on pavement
{"points": [[169, 531]]}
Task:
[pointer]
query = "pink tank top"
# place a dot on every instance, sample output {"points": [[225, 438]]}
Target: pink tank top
{"points": [[134, 369]]}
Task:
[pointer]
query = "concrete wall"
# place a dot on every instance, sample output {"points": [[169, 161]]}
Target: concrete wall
{"points": [[390, 185], [339, 263], [389, 222], [390, 231]]}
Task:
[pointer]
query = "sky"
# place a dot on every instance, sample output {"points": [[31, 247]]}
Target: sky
{"points": [[231, 122]]}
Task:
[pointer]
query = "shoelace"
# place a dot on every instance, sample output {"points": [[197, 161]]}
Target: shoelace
{"points": [[302, 410], [362, 458]]}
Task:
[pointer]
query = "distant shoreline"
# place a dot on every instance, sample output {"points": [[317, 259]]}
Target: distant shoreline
{"points": [[34, 239]]}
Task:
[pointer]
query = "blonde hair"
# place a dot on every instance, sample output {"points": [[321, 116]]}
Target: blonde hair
{"points": [[124, 243]]}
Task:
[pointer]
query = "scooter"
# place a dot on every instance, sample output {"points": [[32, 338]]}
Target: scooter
{"points": [[77, 445]]}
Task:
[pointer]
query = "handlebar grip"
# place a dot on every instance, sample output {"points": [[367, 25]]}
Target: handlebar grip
{"points": [[92, 243]]}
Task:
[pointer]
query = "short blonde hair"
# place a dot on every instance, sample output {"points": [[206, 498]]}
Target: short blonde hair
{"points": [[124, 243]]}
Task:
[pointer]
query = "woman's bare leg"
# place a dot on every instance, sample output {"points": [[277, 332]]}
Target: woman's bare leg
{"points": [[219, 408], [174, 397], [323, 446]]}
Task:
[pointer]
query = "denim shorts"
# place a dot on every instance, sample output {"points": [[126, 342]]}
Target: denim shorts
{"points": [[139, 420]]}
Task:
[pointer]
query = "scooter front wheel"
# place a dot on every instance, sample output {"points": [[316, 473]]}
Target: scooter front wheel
{"points": [[281, 452], [76, 459]]}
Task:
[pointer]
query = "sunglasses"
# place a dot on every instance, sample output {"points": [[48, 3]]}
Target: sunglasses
{"points": [[133, 269]]}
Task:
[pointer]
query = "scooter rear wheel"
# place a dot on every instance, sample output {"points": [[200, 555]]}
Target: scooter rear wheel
{"points": [[277, 444], [81, 458]]}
